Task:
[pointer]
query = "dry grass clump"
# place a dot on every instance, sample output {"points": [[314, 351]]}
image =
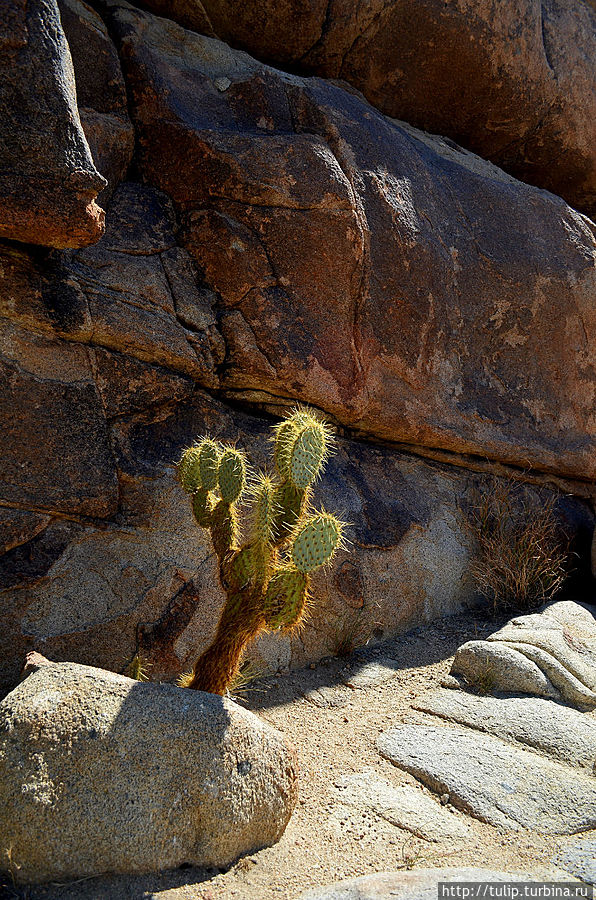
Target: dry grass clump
{"points": [[522, 553]]}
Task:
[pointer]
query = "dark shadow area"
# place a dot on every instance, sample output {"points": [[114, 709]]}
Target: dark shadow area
{"points": [[110, 887]]}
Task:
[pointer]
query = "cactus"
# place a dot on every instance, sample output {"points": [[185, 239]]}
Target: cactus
{"points": [[266, 578]]}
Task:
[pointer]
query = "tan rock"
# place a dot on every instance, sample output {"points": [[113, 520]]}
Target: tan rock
{"points": [[99, 773]]}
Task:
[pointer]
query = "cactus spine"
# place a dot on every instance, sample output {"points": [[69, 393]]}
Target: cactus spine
{"points": [[266, 578]]}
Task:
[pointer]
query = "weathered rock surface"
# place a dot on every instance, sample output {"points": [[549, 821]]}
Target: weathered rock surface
{"points": [[101, 93], [338, 258], [562, 733], [551, 654], [102, 552], [405, 806], [492, 780], [514, 82], [420, 884], [99, 773], [406, 287], [49, 181], [579, 859]]}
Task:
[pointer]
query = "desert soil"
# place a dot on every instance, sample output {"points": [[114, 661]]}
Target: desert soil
{"points": [[334, 727]]}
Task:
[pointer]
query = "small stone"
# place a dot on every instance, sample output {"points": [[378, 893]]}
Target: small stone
{"points": [[222, 83]]}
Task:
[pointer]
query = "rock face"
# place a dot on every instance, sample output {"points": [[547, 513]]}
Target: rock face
{"points": [[579, 859], [49, 181], [290, 244], [101, 93], [493, 780], [550, 654], [514, 82], [404, 286], [99, 773]]}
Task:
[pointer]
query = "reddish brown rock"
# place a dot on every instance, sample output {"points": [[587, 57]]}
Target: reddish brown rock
{"points": [[49, 181], [412, 290], [101, 93], [514, 81]]}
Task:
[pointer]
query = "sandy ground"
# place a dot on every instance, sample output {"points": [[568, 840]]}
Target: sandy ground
{"points": [[334, 728]]}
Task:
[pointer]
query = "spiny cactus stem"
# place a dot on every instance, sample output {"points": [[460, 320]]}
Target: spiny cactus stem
{"points": [[216, 668]]}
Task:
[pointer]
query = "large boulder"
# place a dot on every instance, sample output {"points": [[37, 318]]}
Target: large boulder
{"points": [[49, 180], [514, 81], [417, 293], [100, 773]]}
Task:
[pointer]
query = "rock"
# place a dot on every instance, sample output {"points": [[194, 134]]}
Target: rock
{"points": [[50, 181], [101, 93], [515, 84], [99, 773], [489, 667], [420, 884], [551, 653], [579, 859], [405, 806], [562, 733], [56, 451], [326, 697], [372, 674], [403, 285], [492, 780]]}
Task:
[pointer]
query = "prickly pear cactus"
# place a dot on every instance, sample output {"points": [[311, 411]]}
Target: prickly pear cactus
{"points": [[266, 574]]}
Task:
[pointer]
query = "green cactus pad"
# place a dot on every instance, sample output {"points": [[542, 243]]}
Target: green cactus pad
{"points": [[316, 542], [232, 475], [208, 463], [285, 437], [239, 569], [291, 504], [224, 528], [307, 455], [265, 510], [188, 470], [285, 598], [202, 507]]}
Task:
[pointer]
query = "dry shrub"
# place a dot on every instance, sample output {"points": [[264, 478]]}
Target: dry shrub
{"points": [[521, 558]]}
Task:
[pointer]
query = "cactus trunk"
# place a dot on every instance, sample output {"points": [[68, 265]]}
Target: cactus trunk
{"points": [[216, 668]]}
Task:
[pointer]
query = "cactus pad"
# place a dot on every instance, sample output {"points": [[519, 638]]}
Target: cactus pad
{"points": [[265, 510], [232, 475], [285, 598], [316, 542], [239, 569], [307, 455], [208, 463], [291, 504], [202, 507], [224, 528], [189, 470]]}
